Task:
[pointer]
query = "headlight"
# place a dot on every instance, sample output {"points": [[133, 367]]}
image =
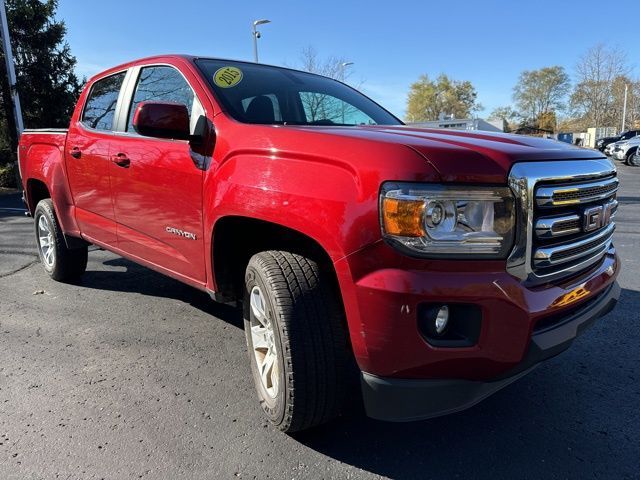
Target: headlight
{"points": [[443, 221]]}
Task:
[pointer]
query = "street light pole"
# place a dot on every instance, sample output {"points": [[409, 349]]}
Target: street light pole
{"points": [[624, 107], [343, 66], [256, 36], [11, 73]]}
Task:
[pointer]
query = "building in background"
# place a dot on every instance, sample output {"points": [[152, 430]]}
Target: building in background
{"points": [[588, 138], [463, 124]]}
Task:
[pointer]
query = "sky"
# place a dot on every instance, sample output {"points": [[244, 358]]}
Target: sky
{"points": [[488, 42]]}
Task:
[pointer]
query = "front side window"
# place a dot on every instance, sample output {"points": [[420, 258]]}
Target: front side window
{"points": [[161, 84], [101, 103], [323, 109], [263, 94]]}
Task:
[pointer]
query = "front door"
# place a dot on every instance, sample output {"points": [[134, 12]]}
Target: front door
{"points": [[87, 160], [157, 187]]}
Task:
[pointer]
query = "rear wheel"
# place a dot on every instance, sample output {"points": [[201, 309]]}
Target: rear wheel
{"points": [[60, 262], [296, 340]]}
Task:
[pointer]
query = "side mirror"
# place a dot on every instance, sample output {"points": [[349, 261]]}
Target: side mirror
{"points": [[162, 120]]}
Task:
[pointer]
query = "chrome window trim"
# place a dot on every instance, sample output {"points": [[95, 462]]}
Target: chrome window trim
{"points": [[523, 178], [127, 72], [128, 91]]}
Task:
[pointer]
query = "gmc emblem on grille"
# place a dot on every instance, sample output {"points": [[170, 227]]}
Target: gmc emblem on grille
{"points": [[597, 217]]}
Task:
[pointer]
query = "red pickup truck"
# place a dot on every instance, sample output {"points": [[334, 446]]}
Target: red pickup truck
{"points": [[429, 268]]}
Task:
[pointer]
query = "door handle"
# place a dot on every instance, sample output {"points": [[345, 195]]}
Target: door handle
{"points": [[75, 152], [121, 160]]}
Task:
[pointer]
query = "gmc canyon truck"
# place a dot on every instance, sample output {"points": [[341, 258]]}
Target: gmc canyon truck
{"points": [[430, 268]]}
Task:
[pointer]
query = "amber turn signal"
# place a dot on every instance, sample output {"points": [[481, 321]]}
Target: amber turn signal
{"points": [[402, 217]]}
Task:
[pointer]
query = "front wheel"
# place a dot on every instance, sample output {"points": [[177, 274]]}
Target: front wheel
{"points": [[633, 158], [296, 340], [59, 261]]}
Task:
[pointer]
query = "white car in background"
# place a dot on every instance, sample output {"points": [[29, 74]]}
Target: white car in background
{"points": [[608, 150], [626, 149]]}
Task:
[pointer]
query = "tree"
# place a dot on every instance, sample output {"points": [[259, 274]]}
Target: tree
{"points": [[547, 121], [592, 98], [46, 81], [616, 109], [429, 98], [507, 115], [539, 93], [322, 108], [332, 67]]}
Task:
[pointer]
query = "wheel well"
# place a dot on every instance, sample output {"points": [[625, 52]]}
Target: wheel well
{"points": [[36, 191], [237, 239]]}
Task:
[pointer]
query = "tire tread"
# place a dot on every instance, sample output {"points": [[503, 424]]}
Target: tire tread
{"points": [[312, 336]]}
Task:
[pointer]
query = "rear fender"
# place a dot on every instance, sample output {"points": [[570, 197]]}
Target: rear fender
{"points": [[45, 163]]}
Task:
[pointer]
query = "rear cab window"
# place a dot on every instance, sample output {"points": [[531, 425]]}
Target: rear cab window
{"points": [[100, 107]]}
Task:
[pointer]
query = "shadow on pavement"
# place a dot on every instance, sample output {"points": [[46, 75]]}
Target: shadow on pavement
{"points": [[138, 279]]}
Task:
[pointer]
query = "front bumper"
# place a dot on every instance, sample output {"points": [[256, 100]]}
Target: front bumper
{"points": [[619, 154], [393, 399]]}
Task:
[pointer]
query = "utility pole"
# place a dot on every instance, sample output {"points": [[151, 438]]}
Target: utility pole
{"points": [[11, 72], [624, 107]]}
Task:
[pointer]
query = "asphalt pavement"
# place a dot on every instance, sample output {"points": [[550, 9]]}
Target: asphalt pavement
{"points": [[130, 374]]}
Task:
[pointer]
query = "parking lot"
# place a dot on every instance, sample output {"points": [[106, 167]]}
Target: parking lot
{"points": [[130, 374]]}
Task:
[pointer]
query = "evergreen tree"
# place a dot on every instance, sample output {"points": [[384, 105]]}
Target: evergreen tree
{"points": [[47, 84]]}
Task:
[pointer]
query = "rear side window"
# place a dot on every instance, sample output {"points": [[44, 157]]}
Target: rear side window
{"points": [[160, 84], [101, 104]]}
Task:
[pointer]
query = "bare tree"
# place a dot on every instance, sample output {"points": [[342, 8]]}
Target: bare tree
{"points": [[332, 67], [319, 107], [593, 97], [507, 115]]}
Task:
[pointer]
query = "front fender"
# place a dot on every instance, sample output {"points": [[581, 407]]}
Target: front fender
{"points": [[330, 195]]}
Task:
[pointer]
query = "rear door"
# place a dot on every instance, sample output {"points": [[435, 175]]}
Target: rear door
{"points": [[88, 163], [157, 186]]}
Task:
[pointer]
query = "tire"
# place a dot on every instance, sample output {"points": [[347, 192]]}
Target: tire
{"points": [[60, 262], [304, 319], [631, 158]]}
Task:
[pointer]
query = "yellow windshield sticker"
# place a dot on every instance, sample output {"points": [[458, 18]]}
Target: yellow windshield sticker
{"points": [[227, 77]]}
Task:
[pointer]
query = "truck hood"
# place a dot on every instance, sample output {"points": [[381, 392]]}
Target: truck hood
{"points": [[463, 156]]}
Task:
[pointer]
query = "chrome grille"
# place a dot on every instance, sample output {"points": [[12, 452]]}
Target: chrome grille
{"points": [[571, 194], [564, 217]]}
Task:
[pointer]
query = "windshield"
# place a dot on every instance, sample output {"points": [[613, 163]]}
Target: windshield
{"points": [[253, 93]]}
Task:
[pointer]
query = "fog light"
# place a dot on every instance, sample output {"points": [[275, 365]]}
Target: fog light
{"points": [[435, 320], [454, 325], [442, 320]]}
